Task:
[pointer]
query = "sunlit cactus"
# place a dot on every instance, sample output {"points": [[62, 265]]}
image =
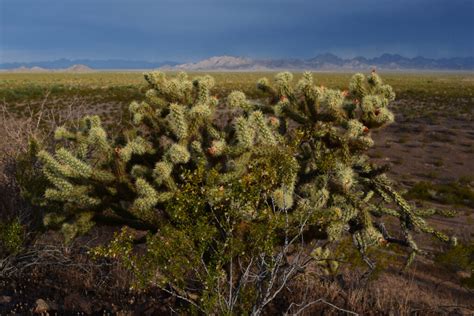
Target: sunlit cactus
{"points": [[299, 151]]}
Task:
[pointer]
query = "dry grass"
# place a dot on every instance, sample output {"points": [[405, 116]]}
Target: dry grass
{"points": [[393, 292]]}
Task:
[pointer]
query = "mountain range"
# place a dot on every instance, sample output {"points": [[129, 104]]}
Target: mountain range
{"points": [[73, 68], [231, 63], [108, 64], [330, 62]]}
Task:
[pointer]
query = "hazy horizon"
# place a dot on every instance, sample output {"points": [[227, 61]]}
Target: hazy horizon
{"points": [[208, 57]]}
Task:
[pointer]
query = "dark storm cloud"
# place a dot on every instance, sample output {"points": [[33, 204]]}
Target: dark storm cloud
{"points": [[192, 29]]}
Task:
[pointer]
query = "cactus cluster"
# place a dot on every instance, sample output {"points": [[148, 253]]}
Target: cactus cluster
{"points": [[181, 169]]}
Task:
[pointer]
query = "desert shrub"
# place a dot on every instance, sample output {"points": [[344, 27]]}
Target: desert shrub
{"points": [[235, 208], [459, 258], [28, 174], [457, 193], [22, 183], [11, 237], [15, 211]]}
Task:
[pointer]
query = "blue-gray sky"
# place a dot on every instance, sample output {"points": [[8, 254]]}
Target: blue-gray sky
{"points": [[189, 30]]}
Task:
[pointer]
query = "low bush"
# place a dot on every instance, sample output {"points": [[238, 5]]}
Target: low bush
{"points": [[453, 193], [459, 259], [11, 237]]}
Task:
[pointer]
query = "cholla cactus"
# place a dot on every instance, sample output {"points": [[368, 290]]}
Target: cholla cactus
{"points": [[178, 172], [172, 127], [323, 259], [334, 129], [237, 99]]}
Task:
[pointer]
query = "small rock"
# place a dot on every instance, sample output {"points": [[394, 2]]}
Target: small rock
{"points": [[5, 299], [41, 307], [75, 302], [463, 274]]}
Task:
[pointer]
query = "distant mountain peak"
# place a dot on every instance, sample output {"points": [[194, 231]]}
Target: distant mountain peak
{"points": [[79, 68], [327, 58], [218, 62]]}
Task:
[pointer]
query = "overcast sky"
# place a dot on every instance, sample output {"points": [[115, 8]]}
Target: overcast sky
{"points": [[189, 30]]}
